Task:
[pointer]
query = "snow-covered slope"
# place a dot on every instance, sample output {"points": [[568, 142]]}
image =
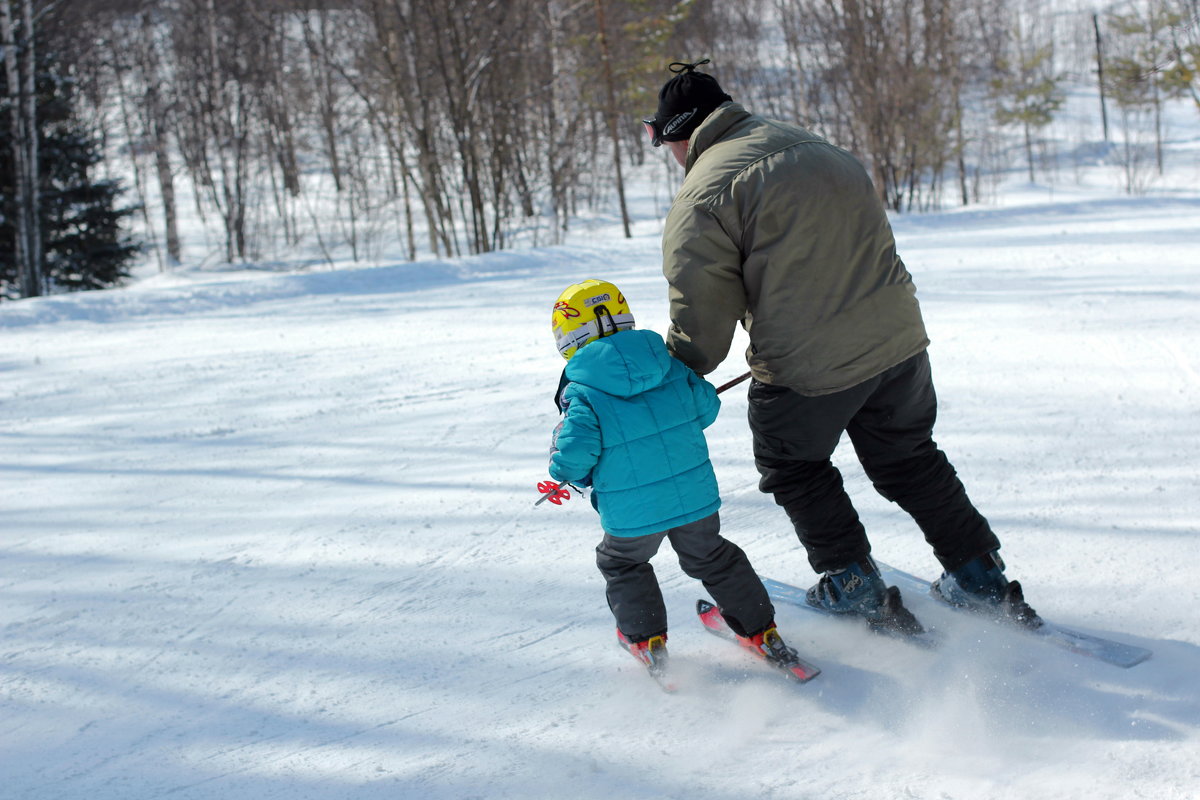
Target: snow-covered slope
{"points": [[273, 536]]}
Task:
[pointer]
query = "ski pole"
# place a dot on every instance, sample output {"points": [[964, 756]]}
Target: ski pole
{"points": [[732, 383]]}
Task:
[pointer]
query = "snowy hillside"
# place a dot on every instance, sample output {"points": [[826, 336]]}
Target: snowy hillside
{"points": [[271, 536]]}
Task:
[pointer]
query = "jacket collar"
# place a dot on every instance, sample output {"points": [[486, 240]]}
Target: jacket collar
{"points": [[710, 131]]}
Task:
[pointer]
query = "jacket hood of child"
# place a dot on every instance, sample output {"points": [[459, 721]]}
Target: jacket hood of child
{"points": [[634, 429], [623, 364]]}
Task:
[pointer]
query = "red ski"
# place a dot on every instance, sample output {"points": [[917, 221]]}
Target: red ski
{"points": [[771, 650]]}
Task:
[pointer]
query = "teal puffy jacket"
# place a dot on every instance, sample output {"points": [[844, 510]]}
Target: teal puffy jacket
{"points": [[633, 427]]}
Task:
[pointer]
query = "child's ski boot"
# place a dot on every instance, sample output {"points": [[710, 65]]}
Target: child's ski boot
{"points": [[770, 647], [767, 645], [652, 653]]}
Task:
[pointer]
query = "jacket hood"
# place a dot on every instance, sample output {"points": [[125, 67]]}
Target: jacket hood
{"points": [[623, 364]]}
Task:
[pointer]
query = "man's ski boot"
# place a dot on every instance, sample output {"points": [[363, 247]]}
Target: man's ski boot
{"points": [[858, 589], [769, 646], [980, 585], [652, 653]]}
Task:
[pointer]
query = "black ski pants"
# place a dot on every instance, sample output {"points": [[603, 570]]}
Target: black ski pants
{"points": [[634, 595], [889, 420]]}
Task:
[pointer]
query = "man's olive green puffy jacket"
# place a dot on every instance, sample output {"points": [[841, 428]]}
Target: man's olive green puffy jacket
{"points": [[780, 230]]}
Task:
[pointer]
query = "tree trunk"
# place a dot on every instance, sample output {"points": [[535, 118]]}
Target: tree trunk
{"points": [[1029, 151], [166, 187], [221, 127], [20, 69], [156, 123], [139, 183], [32, 175], [319, 55], [611, 113], [21, 208], [1100, 75]]}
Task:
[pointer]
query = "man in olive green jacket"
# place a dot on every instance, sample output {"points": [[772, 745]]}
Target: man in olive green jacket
{"points": [[777, 229]]}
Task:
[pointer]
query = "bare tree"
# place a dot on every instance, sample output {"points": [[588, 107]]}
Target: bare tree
{"points": [[889, 85], [130, 55], [610, 109]]}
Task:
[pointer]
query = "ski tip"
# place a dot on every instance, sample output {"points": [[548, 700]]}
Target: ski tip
{"points": [[1129, 661], [1145, 655], [661, 674]]}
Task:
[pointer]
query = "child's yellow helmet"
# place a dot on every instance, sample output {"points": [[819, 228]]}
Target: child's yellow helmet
{"points": [[588, 311]]}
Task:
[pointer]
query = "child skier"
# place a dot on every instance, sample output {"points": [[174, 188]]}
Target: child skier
{"points": [[632, 429]]}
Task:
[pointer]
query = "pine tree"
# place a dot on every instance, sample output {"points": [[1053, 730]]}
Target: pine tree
{"points": [[1027, 93], [83, 244]]}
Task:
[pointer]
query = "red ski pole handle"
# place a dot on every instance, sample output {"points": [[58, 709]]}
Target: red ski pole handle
{"points": [[553, 492]]}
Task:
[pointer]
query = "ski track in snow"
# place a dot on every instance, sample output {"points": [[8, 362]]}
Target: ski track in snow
{"points": [[273, 536]]}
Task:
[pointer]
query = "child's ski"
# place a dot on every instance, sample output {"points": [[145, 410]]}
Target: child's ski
{"points": [[782, 657]]}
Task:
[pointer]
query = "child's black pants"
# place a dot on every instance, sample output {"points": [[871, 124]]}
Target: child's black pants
{"points": [[636, 600]]}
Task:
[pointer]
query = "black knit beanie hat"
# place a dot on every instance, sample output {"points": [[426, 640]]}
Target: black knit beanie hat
{"points": [[684, 102]]}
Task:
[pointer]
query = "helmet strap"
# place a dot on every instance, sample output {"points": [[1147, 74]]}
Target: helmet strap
{"points": [[605, 324]]}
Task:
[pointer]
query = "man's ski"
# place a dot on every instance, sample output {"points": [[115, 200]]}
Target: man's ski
{"points": [[1085, 644], [795, 596], [782, 657]]}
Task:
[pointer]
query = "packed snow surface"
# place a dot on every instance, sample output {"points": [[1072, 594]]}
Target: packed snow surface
{"points": [[271, 535]]}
